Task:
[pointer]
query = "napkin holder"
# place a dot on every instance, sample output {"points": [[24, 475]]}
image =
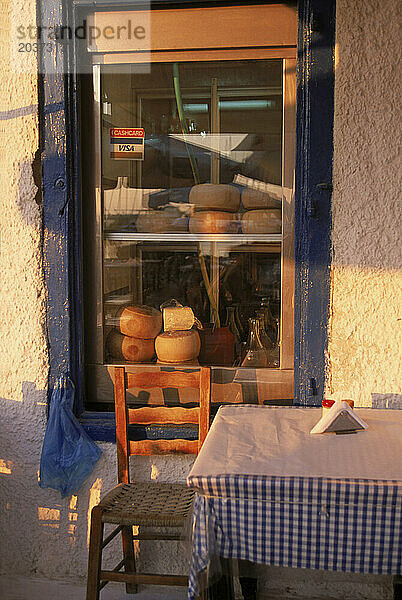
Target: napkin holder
{"points": [[340, 419]]}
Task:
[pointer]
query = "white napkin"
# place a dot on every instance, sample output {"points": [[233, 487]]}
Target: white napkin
{"points": [[333, 413]]}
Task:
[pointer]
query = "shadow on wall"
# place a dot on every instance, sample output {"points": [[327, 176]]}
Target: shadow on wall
{"points": [[29, 196], [34, 519], [392, 401]]}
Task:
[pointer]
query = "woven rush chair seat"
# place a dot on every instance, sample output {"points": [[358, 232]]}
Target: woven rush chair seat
{"points": [[155, 505]]}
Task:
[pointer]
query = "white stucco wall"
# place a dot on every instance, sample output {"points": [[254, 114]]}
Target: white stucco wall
{"points": [[45, 536], [366, 322]]}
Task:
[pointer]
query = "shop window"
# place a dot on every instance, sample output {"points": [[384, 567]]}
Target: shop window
{"points": [[188, 179], [237, 83]]}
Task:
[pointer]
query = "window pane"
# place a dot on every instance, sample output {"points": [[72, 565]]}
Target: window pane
{"points": [[192, 207], [149, 273]]}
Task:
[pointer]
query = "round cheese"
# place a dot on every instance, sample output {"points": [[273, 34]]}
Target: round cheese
{"points": [[177, 346], [123, 347], [213, 221], [252, 199], [262, 221], [142, 322], [188, 363], [215, 196], [168, 220]]}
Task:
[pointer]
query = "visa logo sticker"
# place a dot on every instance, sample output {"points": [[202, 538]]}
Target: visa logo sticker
{"points": [[127, 143]]}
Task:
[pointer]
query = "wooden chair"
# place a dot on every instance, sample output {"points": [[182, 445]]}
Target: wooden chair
{"points": [[146, 504]]}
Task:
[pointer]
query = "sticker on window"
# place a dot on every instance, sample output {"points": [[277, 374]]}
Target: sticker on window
{"points": [[127, 143]]}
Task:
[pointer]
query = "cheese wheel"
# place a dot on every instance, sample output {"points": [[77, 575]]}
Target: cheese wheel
{"points": [[215, 196], [178, 318], [213, 221], [142, 322], [262, 221], [133, 349], [252, 199], [168, 220], [177, 346], [187, 363]]}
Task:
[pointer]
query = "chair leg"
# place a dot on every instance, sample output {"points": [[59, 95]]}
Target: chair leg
{"points": [[397, 587], [223, 588], [95, 554], [248, 579], [248, 588], [129, 557]]}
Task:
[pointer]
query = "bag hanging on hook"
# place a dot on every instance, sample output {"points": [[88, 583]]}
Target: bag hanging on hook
{"points": [[68, 453]]}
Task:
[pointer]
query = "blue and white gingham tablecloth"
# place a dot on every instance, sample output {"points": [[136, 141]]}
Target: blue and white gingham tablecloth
{"points": [[339, 524]]}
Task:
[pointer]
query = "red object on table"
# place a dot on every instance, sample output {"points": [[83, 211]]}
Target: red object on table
{"points": [[330, 403]]}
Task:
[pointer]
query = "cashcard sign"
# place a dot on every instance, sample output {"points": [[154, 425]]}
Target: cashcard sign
{"points": [[127, 143]]}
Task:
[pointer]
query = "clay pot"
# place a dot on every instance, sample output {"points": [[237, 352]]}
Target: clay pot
{"points": [[217, 346]]}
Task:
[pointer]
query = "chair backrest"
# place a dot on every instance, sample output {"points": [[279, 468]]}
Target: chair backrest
{"points": [[133, 377]]}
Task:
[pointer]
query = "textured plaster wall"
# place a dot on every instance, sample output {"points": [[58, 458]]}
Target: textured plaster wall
{"points": [[366, 318], [45, 536], [23, 353], [41, 534]]}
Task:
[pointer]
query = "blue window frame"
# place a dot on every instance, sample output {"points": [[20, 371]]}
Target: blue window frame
{"points": [[61, 202]]}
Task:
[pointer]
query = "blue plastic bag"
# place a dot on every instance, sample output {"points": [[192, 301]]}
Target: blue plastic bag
{"points": [[68, 453]]}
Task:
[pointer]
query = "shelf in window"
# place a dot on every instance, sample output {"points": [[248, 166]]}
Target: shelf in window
{"points": [[240, 238], [129, 262], [123, 299]]}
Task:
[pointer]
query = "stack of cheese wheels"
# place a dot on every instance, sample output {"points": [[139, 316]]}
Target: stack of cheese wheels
{"points": [[254, 199], [179, 343], [215, 196], [213, 221], [263, 220], [139, 326], [140, 321], [128, 348], [214, 206], [263, 212], [167, 220], [178, 346]]}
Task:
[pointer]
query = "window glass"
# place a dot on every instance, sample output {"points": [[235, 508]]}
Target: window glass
{"points": [[192, 205]]}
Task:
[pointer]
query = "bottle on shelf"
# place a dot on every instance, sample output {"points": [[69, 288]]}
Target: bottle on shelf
{"points": [[270, 323], [238, 321], [271, 347], [272, 329], [266, 340], [278, 344], [255, 352], [231, 323]]}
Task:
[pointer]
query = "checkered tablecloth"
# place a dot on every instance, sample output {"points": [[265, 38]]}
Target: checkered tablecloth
{"points": [[334, 524], [351, 525]]}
